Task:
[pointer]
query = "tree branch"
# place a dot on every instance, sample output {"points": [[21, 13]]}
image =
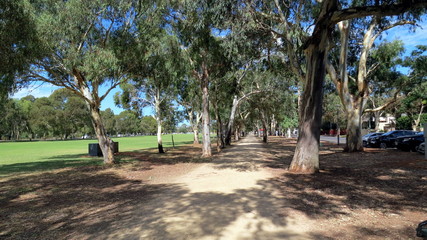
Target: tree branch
{"points": [[379, 11], [248, 94], [385, 105]]}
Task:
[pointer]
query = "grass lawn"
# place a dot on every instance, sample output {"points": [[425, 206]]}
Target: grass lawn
{"points": [[19, 157]]}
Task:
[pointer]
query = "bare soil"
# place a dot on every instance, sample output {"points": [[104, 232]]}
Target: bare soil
{"points": [[243, 192]]}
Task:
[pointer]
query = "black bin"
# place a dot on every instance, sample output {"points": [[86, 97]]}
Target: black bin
{"points": [[95, 150]]}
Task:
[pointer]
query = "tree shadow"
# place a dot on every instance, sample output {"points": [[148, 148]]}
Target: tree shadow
{"points": [[89, 202], [52, 163], [184, 153], [94, 204], [379, 183]]}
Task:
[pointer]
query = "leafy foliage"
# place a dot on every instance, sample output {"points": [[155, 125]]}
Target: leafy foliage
{"points": [[17, 48], [404, 122]]}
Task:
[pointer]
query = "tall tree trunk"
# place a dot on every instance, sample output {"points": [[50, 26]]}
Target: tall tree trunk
{"points": [[258, 129], [105, 143], [377, 120], [159, 136], [354, 126], [219, 131], [196, 136], [299, 102], [236, 134], [206, 146], [194, 125], [230, 124], [306, 157], [159, 121], [196, 128], [418, 120], [265, 126]]}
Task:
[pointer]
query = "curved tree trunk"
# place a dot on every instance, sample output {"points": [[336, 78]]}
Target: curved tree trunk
{"points": [[105, 143], [418, 120]]}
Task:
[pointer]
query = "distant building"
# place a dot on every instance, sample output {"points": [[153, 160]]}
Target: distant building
{"points": [[385, 123]]}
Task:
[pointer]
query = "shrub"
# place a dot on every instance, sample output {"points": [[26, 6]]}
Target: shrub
{"points": [[404, 123]]}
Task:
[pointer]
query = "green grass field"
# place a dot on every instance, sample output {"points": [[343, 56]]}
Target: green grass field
{"points": [[19, 157]]}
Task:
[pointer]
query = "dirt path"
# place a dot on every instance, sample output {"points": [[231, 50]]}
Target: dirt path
{"points": [[229, 198], [243, 193]]}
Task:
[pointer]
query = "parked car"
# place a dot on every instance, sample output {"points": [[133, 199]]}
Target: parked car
{"points": [[366, 139], [410, 142], [388, 140], [422, 148]]}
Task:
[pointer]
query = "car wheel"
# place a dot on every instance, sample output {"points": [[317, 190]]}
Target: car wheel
{"points": [[383, 146]]}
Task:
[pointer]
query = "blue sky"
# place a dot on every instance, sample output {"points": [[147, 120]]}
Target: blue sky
{"points": [[410, 39], [45, 89]]}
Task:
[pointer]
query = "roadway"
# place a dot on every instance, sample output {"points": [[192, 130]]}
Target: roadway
{"points": [[332, 139]]}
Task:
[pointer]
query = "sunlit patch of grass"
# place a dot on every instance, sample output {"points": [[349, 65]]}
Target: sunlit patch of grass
{"points": [[21, 157]]}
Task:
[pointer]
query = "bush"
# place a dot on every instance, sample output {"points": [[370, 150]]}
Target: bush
{"points": [[423, 118], [404, 123]]}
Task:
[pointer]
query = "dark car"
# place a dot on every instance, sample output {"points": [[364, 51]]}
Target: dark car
{"points": [[410, 142], [422, 148], [388, 140], [366, 140]]}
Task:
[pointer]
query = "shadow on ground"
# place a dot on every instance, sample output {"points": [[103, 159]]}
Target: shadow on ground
{"points": [[355, 196], [91, 203], [380, 194], [186, 153], [56, 162]]}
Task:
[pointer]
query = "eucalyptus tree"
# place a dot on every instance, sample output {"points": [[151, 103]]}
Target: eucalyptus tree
{"points": [[148, 125], [276, 99], [70, 113], [414, 104], [127, 122], [42, 117], [387, 86], [109, 120], [80, 51], [316, 47], [194, 22], [14, 120], [243, 89], [154, 82], [354, 55], [188, 96], [304, 33], [19, 42]]}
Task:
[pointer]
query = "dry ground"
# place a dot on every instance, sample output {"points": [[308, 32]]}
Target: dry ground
{"points": [[242, 193]]}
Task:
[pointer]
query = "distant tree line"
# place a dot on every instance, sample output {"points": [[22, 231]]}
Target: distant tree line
{"points": [[63, 115]]}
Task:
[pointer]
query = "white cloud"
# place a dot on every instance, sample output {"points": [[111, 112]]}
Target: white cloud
{"points": [[38, 90]]}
